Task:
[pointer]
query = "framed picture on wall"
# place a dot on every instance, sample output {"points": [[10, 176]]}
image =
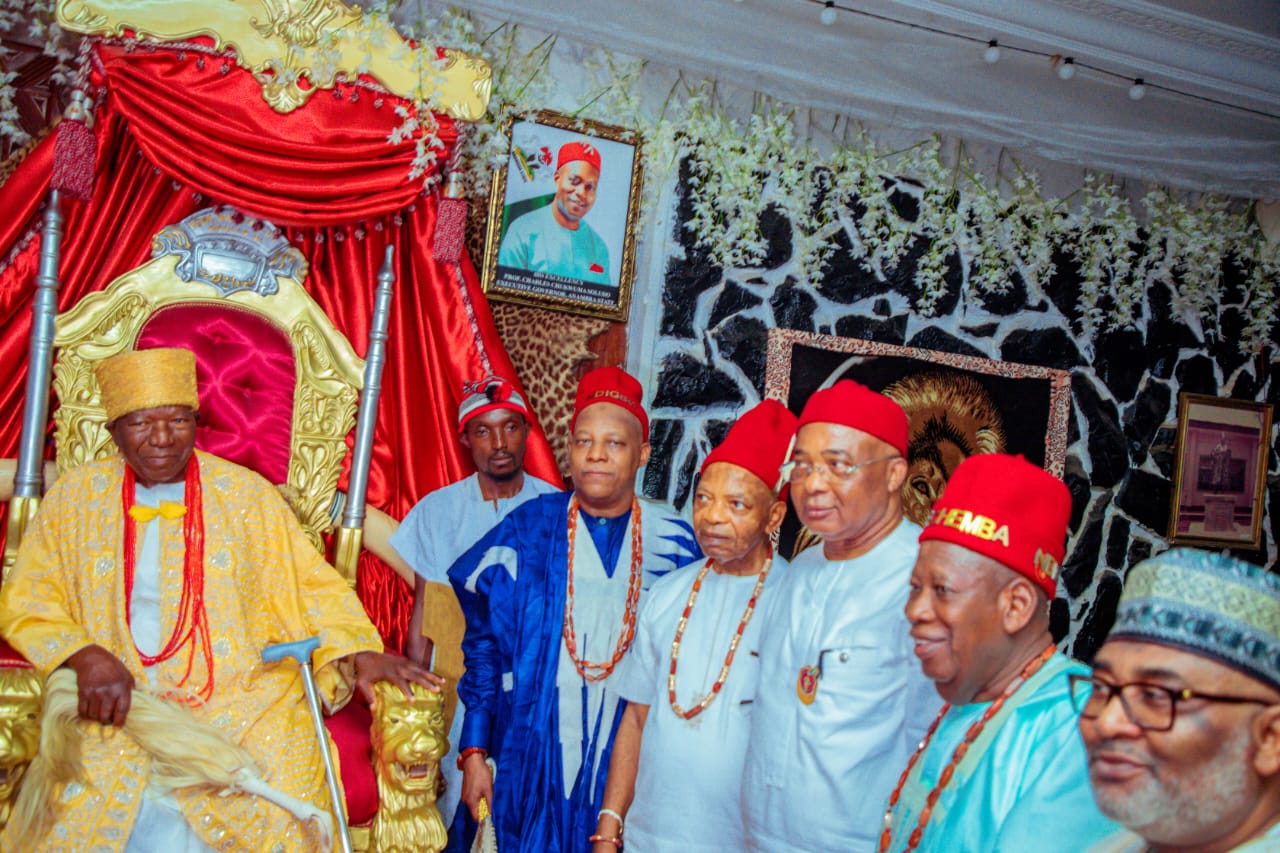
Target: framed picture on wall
{"points": [[1221, 471], [562, 217], [956, 405]]}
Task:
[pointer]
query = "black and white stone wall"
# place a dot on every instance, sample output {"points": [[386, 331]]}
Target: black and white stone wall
{"points": [[707, 359]]}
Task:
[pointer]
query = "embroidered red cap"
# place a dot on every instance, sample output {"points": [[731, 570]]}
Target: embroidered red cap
{"points": [[760, 441], [487, 394], [578, 151], [1008, 509], [853, 405], [611, 385]]}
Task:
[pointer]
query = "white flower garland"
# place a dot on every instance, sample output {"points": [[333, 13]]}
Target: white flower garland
{"points": [[972, 229]]}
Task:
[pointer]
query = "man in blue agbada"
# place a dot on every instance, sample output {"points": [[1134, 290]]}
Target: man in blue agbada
{"points": [[550, 596], [1003, 767]]}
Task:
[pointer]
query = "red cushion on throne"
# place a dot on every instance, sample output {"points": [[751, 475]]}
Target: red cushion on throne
{"points": [[349, 729], [9, 657], [246, 378]]}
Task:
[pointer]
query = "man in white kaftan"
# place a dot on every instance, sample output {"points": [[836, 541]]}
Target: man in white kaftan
{"points": [[689, 681], [841, 704], [493, 424]]}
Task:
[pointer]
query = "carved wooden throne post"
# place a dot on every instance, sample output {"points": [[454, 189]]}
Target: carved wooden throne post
{"points": [[279, 388]]}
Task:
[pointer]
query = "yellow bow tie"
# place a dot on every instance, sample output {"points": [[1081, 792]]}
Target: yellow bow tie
{"points": [[168, 509]]}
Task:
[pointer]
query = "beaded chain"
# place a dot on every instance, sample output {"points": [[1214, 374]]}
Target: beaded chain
{"points": [[970, 736], [733, 644], [628, 632], [191, 627]]}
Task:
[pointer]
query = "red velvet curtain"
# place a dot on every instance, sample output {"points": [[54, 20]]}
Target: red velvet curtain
{"points": [[178, 131]]}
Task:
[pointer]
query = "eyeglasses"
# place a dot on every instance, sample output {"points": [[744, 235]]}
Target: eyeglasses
{"points": [[833, 472], [1152, 707]]}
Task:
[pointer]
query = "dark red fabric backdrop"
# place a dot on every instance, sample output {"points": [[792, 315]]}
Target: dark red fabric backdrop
{"points": [[178, 131]]}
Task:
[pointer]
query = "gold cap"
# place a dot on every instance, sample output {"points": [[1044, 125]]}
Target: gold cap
{"points": [[147, 379]]}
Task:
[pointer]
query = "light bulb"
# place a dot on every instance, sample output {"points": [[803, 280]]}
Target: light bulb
{"points": [[829, 13], [992, 54], [1067, 69], [1137, 90]]}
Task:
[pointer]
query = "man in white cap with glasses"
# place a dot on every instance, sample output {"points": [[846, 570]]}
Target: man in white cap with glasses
{"points": [[841, 702], [1181, 717]]}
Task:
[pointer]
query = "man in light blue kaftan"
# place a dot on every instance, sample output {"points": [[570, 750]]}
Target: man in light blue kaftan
{"points": [[555, 239], [1004, 764], [550, 596]]}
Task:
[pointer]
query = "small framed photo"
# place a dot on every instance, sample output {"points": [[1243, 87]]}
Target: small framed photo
{"points": [[1221, 470], [563, 217]]}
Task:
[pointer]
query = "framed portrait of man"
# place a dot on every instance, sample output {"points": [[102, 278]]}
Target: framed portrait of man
{"points": [[1221, 471], [562, 217]]}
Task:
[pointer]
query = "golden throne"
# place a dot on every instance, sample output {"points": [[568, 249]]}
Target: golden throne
{"points": [[279, 390]]}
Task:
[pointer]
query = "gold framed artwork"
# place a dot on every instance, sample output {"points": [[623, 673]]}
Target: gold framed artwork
{"points": [[563, 216], [1220, 473]]}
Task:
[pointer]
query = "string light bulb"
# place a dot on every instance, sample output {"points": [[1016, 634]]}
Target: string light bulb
{"points": [[1067, 69], [992, 54], [1138, 90], [828, 15]]}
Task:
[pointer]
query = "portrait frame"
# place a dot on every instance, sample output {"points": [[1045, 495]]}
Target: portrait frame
{"points": [[957, 392], [601, 279], [1220, 471]]}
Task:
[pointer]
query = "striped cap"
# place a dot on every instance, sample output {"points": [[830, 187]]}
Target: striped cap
{"points": [[487, 394], [1206, 603]]}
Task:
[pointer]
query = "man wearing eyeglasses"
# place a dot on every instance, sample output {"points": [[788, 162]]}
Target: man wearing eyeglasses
{"points": [[840, 704], [1003, 761], [1181, 718]]}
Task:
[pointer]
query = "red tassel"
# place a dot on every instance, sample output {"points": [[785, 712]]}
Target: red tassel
{"points": [[451, 228], [74, 153]]}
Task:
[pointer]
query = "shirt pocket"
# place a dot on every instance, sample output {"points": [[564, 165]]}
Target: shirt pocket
{"points": [[862, 670]]}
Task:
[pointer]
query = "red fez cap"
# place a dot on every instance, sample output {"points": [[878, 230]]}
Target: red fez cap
{"points": [[853, 405], [1008, 509], [571, 151], [487, 394], [611, 385], [760, 442]]}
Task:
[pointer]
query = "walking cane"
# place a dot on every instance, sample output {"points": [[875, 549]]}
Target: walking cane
{"points": [[300, 650]]}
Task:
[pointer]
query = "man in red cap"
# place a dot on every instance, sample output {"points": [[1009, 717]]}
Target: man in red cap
{"points": [[553, 239], [840, 705], [493, 424], [677, 762], [551, 597], [1003, 762]]}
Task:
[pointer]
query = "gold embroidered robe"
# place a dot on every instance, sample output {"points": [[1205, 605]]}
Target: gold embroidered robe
{"points": [[264, 583]]}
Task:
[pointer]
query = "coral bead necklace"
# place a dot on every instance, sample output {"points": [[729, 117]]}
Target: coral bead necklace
{"points": [[191, 626], [913, 841], [733, 644], [601, 671]]}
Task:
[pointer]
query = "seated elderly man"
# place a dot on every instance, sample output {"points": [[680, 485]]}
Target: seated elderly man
{"points": [[168, 571], [1188, 757], [676, 769], [1002, 763]]}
